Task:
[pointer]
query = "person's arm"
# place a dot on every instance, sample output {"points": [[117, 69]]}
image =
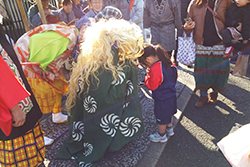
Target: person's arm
{"points": [[18, 116], [138, 15], [146, 15], [155, 77], [34, 17], [189, 26], [177, 16], [11, 93]]}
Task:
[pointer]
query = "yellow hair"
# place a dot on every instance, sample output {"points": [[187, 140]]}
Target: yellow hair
{"points": [[96, 53]]}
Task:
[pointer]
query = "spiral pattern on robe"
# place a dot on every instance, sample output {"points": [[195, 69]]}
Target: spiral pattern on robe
{"points": [[130, 126], [82, 164], [78, 131], [120, 78], [88, 148], [79, 84], [89, 104], [130, 88], [109, 124]]}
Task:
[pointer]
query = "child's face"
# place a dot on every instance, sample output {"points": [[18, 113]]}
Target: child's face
{"points": [[96, 5], [241, 3], [67, 8], [150, 60]]}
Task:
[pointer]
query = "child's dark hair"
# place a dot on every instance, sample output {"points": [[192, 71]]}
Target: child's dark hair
{"points": [[155, 50]]}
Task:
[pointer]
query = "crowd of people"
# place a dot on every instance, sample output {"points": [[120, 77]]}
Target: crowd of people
{"points": [[102, 101]]}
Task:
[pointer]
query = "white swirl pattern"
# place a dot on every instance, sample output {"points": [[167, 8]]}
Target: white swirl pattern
{"points": [[89, 104], [82, 164], [79, 84], [110, 124], [130, 88], [130, 126], [120, 78], [78, 131], [88, 148]]}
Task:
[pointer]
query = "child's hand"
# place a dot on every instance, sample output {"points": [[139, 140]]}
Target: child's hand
{"points": [[245, 41], [239, 27]]}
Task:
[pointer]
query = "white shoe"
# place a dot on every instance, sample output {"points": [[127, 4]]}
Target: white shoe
{"points": [[47, 141], [59, 118]]}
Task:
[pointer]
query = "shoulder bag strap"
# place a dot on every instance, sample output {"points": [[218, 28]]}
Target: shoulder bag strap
{"points": [[213, 12]]}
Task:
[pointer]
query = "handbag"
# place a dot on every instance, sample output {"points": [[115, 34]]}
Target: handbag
{"points": [[241, 65], [186, 49]]}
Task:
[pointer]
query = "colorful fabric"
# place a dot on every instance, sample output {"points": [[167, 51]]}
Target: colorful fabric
{"points": [[22, 49], [45, 47], [235, 34], [49, 95], [131, 2], [155, 76], [25, 104], [27, 150], [211, 69], [54, 85], [109, 117], [161, 81], [11, 93]]}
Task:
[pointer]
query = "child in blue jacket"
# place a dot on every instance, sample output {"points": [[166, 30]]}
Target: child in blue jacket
{"points": [[161, 79]]}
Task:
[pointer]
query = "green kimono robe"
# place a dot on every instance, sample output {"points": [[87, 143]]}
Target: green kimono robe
{"points": [[104, 119]]}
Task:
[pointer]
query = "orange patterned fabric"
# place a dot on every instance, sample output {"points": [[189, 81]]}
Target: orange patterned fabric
{"points": [[27, 150], [48, 92]]}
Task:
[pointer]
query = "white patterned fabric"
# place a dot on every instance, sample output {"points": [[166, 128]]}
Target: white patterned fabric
{"points": [[186, 50]]}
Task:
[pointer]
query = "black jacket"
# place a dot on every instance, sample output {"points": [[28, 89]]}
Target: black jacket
{"points": [[237, 14]]}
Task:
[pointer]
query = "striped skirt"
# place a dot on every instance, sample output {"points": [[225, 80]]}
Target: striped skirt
{"points": [[27, 150], [211, 69]]}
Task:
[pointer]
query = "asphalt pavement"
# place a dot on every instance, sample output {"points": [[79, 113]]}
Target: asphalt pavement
{"points": [[136, 152], [199, 129]]}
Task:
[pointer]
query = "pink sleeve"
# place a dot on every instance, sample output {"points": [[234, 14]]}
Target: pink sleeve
{"points": [[155, 77], [11, 90]]}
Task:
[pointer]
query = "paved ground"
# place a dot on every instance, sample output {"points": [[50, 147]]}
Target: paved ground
{"points": [[199, 130], [135, 152], [194, 144]]}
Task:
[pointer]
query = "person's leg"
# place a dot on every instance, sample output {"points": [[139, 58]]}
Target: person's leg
{"points": [[227, 40], [159, 111], [162, 129], [160, 136], [213, 96], [170, 129], [57, 116], [227, 37], [203, 99]]}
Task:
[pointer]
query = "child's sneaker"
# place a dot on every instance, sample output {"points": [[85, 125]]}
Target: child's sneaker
{"points": [[157, 138], [228, 51], [170, 131]]}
